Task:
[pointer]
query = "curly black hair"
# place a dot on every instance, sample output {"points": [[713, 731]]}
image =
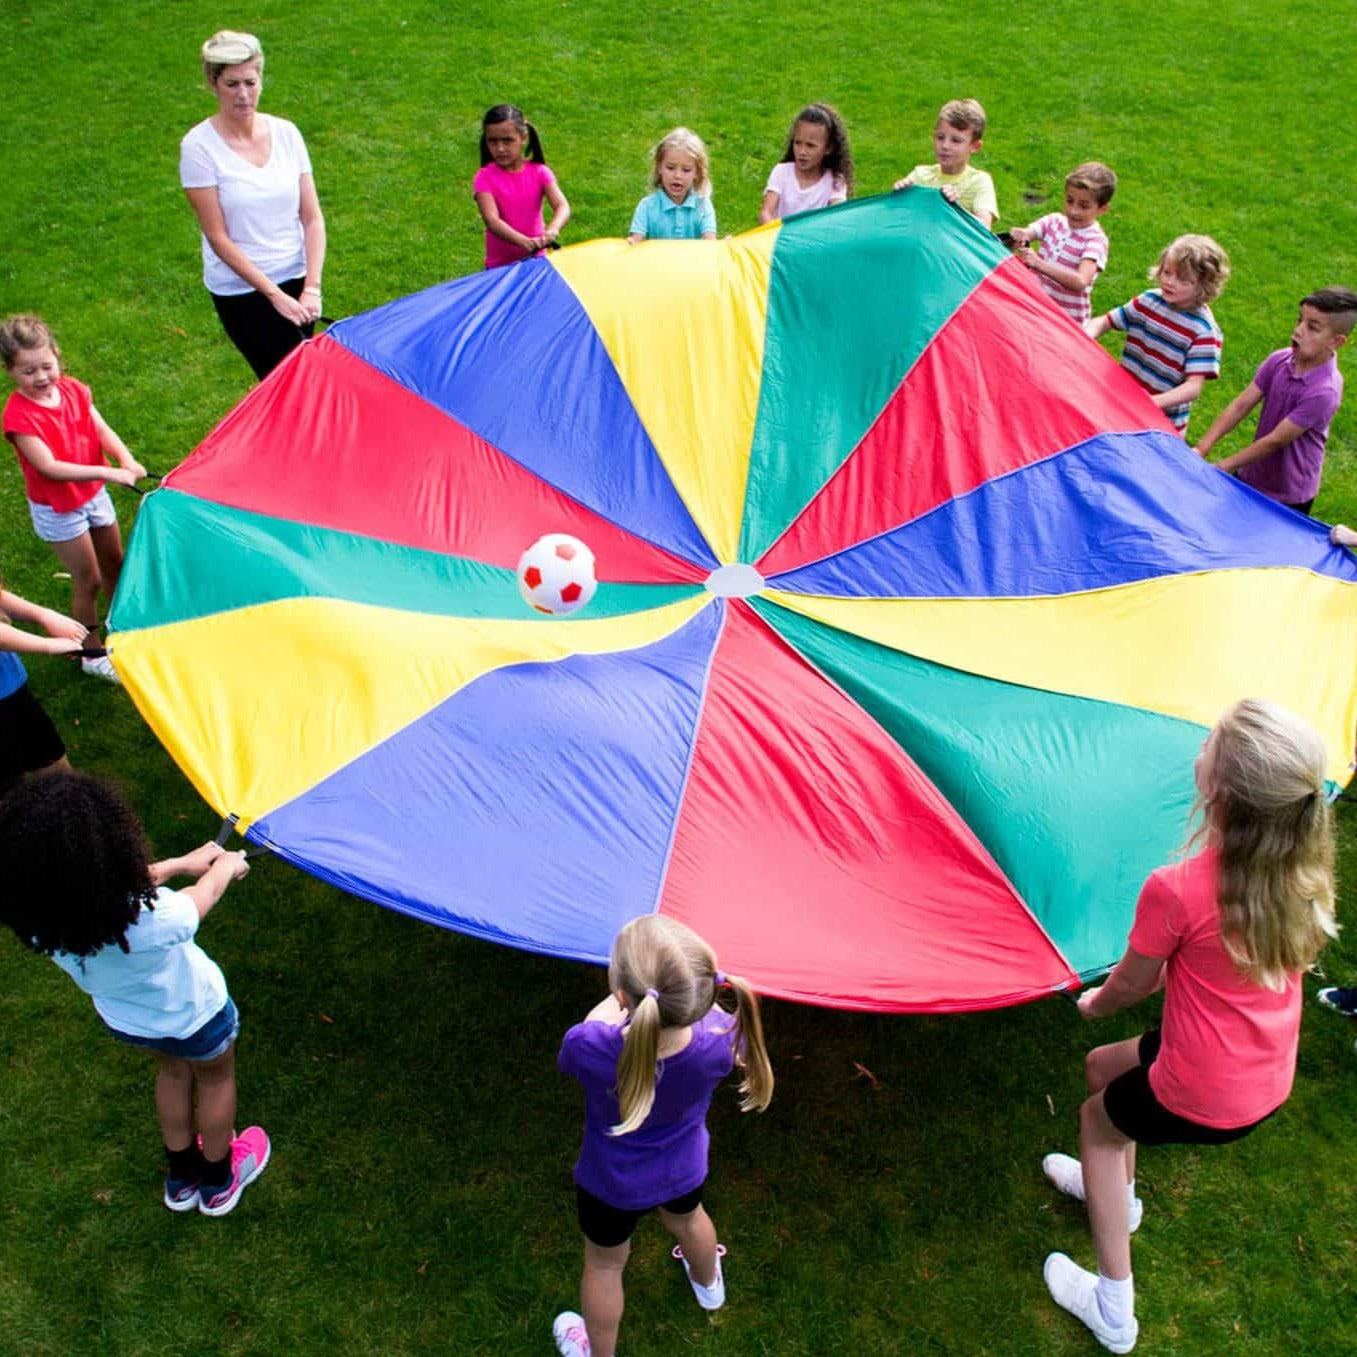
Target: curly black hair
{"points": [[838, 158], [77, 864]]}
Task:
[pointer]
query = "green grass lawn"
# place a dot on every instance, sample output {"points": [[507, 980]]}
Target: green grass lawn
{"points": [[419, 1199]]}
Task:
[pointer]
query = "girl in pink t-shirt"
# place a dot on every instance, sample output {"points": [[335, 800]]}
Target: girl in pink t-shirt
{"points": [[509, 189], [1227, 933], [816, 169]]}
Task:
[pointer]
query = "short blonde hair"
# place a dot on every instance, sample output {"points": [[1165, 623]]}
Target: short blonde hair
{"points": [[229, 48], [686, 142], [1093, 177], [964, 113], [1201, 259]]}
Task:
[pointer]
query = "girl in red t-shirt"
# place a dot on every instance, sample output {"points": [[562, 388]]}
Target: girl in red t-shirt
{"points": [[63, 444], [1227, 933]]}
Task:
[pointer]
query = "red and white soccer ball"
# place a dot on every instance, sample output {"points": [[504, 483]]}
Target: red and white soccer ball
{"points": [[556, 574]]}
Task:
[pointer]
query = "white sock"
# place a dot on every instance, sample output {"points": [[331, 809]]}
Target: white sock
{"points": [[1116, 1300], [1131, 1193]]}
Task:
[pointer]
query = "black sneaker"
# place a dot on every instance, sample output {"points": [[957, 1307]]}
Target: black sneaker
{"points": [[1342, 1001]]}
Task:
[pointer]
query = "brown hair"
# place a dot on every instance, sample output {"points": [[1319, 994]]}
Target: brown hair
{"points": [[1095, 178], [24, 332], [670, 978], [964, 113]]}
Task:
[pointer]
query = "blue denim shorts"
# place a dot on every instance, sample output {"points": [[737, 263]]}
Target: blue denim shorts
{"points": [[212, 1039]]}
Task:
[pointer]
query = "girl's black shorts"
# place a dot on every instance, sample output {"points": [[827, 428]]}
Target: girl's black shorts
{"points": [[1134, 1110], [608, 1226], [28, 739]]}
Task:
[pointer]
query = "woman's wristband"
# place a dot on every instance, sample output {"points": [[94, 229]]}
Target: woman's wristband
{"points": [[314, 291]]}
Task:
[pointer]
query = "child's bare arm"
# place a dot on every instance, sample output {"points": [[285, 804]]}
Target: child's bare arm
{"points": [[497, 226], [52, 622], [113, 446], [26, 643], [772, 203], [1342, 536], [1286, 433], [212, 882], [1134, 977], [41, 458], [560, 211], [1229, 418], [1075, 280], [1098, 326], [1183, 394]]}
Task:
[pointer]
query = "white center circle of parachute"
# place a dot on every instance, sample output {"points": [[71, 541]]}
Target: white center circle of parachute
{"points": [[734, 581]]}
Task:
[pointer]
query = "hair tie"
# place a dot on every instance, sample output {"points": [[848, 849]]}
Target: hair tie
{"points": [[719, 980], [653, 994]]}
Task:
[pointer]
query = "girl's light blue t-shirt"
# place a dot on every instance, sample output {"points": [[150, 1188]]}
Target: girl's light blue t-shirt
{"points": [[164, 985], [659, 217]]}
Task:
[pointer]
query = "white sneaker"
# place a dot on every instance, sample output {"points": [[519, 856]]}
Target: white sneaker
{"points": [[1073, 1288], [101, 667], [1067, 1174], [572, 1338], [711, 1297]]}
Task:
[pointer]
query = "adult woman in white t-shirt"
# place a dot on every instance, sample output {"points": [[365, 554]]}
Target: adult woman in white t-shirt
{"points": [[248, 177]]}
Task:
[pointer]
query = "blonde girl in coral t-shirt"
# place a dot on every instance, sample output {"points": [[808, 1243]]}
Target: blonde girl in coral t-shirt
{"points": [[1227, 933]]}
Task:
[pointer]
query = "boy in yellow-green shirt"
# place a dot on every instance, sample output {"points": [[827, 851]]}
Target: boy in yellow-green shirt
{"points": [[957, 136]]}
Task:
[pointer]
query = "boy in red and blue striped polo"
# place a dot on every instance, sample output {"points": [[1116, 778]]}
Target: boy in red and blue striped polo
{"points": [[1071, 246], [1172, 340]]}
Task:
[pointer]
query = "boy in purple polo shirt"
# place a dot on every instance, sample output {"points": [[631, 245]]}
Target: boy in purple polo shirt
{"points": [[1301, 389]]}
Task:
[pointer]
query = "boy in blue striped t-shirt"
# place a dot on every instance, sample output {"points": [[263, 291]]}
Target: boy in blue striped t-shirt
{"points": [[1172, 340]]}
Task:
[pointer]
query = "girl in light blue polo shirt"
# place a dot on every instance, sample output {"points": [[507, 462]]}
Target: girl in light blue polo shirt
{"points": [[680, 207], [80, 888]]}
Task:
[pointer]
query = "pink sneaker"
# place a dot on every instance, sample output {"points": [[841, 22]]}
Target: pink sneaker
{"points": [[572, 1338], [250, 1152]]}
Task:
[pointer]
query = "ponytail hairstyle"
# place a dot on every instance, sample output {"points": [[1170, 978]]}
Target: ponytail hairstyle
{"points": [[76, 861], [670, 979], [511, 113], [1260, 788], [838, 158]]}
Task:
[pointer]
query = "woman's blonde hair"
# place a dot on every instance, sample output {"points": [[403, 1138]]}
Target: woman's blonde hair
{"points": [[686, 142], [229, 48], [1260, 788], [670, 978]]}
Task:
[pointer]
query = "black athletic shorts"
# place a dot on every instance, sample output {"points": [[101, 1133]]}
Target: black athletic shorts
{"points": [[608, 1226], [1134, 1110], [28, 739], [263, 337]]}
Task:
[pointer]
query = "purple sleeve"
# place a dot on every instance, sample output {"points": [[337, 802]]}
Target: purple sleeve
{"points": [[1267, 370]]}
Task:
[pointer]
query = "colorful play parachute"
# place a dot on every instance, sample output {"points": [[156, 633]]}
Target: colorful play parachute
{"points": [[913, 612]]}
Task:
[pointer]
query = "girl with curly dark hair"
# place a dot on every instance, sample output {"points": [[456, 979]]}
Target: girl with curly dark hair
{"points": [[816, 169], [79, 887]]}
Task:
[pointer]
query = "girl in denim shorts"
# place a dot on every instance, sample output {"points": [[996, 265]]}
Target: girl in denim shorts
{"points": [[64, 444], [79, 887]]}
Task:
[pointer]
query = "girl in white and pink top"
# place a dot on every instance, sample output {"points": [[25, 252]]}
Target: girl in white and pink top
{"points": [[816, 169], [509, 189], [1227, 934]]}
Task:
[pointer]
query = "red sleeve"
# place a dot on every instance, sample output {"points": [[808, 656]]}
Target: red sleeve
{"points": [[16, 416], [1157, 929]]}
